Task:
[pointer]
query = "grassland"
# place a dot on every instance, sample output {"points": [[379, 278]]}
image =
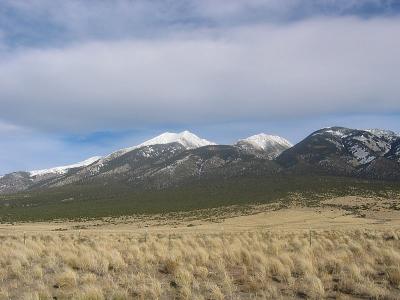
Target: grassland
{"points": [[243, 265], [324, 238], [325, 251]]}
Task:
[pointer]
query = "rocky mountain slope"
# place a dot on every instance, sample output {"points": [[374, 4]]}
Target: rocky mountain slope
{"points": [[344, 151]]}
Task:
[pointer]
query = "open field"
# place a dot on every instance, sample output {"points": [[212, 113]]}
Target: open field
{"points": [[344, 248], [333, 213]]}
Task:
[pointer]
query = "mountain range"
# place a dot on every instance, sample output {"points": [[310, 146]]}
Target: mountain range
{"points": [[172, 159]]}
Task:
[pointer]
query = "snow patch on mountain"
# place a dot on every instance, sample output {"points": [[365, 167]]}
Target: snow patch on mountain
{"points": [[64, 169], [264, 141], [361, 155], [338, 133], [383, 133]]}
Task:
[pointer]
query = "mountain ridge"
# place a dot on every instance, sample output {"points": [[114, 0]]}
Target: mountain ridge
{"points": [[172, 159], [186, 138]]}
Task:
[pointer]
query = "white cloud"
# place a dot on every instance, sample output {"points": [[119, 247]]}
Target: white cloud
{"points": [[10, 128], [318, 66]]}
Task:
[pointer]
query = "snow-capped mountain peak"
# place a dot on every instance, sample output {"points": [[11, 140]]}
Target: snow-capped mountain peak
{"points": [[185, 138], [64, 169], [265, 145], [264, 141]]}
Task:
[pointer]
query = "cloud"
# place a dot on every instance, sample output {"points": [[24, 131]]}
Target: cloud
{"points": [[259, 72], [42, 23], [6, 128]]}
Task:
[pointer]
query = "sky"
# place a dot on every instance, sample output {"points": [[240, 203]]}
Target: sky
{"points": [[83, 78]]}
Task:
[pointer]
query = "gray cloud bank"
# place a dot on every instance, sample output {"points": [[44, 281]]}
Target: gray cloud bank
{"points": [[43, 22], [258, 72]]}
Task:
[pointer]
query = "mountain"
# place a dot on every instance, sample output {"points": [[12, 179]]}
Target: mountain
{"points": [[394, 152], [124, 164], [165, 160], [174, 159], [264, 145], [345, 151], [171, 159], [214, 162], [15, 182], [180, 171]]}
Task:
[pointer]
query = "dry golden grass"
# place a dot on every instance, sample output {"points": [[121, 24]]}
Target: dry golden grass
{"points": [[230, 265]]}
